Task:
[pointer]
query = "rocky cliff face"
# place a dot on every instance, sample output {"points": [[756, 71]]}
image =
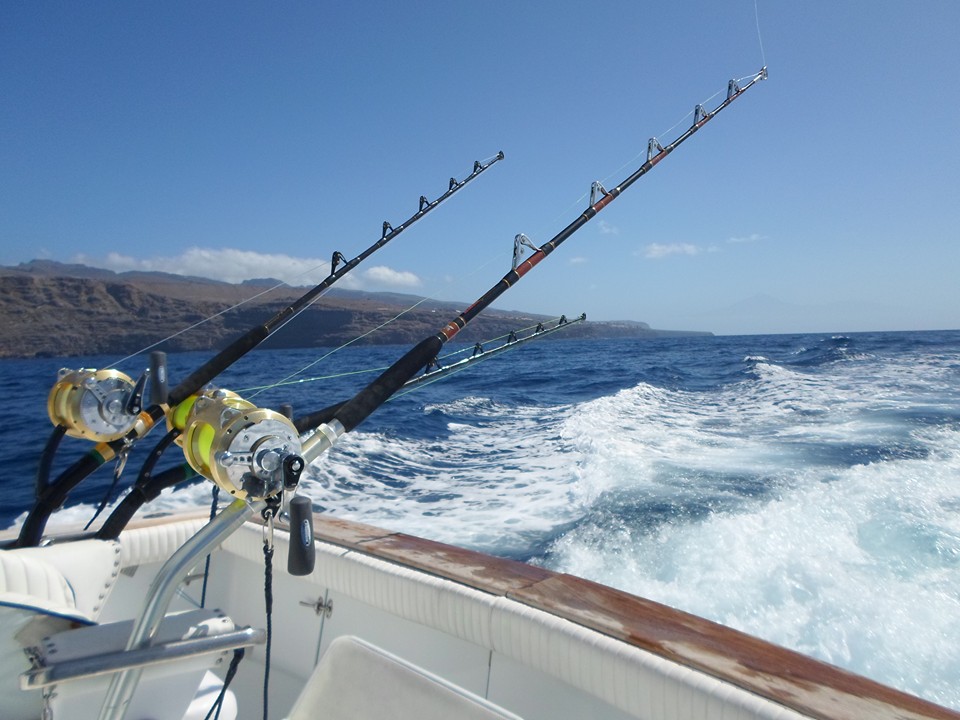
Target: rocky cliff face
{"points": [[48, 309]]}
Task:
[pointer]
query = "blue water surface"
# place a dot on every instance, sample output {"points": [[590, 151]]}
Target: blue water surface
{"points": [[804, 488]]}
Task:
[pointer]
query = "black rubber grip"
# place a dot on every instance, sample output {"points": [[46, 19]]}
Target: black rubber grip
{"points": [[302, 554]]}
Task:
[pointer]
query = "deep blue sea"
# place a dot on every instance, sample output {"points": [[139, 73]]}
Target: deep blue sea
{"points": [[803, 488]]}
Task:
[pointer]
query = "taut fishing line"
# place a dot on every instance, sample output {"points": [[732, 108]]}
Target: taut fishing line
{"points": [[756, 14], [215, 315], [289, 379]]}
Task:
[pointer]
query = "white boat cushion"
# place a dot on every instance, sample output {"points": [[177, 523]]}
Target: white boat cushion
{"points": [[90, 567], [359, 681], [155, 543], [35, 601], [29, 577], [24, 625]]}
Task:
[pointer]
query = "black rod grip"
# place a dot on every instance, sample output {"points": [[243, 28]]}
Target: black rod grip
{"points": [[158, 378], [303, 554]]}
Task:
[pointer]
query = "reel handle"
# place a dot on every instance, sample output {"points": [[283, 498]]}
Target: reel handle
{"points": [[159, 389], [302, 556]]}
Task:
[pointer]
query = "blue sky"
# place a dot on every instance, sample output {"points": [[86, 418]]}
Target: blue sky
{"points": [[248, 139]]}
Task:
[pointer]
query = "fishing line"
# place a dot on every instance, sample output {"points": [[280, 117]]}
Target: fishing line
{"points": [[300, 381], [320, 359], [478, 359], [669, 131], [214, 316], [289, 379], [700, 109], [256, 390], [756, 14], [425, 207]]}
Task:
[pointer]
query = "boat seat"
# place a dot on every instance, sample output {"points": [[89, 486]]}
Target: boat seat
{"points": [[359, 681], [49, 599], [79, 574], [36, 601]]}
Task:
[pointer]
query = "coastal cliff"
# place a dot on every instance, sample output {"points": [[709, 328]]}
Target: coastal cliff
{"points": [[51, 309]]}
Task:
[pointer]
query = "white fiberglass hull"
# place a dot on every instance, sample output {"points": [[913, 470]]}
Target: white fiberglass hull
{"points": [[535, 643]]}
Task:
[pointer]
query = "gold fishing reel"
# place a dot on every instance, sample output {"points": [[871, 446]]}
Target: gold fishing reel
{"points": [[99, 405], [247, 451]]}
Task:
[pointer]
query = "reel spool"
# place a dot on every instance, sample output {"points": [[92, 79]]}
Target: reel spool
{"points": [[178, 416], [244, 449], [93, 404]]}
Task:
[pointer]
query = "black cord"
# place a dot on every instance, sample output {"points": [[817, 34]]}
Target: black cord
{"points": [[231, 671], [268, 601], [206, 566], [108, 495]]}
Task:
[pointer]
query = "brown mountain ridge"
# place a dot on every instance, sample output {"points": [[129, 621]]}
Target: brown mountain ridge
{"points": [[53, 309]]}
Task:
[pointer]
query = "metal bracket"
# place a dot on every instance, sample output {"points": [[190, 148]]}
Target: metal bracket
{"points": [[518, 242], [595, 188], [336, 260], [653, 144], [732, 89], [700, 114], [320, 607]]}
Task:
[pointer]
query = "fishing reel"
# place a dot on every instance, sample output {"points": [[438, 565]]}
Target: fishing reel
{"points": [[99, 405], [250, 452]]}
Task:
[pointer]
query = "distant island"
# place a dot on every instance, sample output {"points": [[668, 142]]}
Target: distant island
{"points": [[52, 309]]}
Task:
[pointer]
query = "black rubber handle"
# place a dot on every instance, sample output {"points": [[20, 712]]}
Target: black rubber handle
{"points": [[303, 554], [159, 390]]}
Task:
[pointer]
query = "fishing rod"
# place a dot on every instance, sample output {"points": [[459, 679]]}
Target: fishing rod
{"points": [[480, 354], [306, 423], [105, 405], [246, 452], [148, 485], [353, 412]]}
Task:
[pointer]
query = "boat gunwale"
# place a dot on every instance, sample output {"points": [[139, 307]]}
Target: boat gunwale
{"points": [[791, 679], [799, 682]]}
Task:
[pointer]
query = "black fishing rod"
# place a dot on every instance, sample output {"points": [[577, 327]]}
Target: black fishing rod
{"points": [[348, 415], [257, 454], [148, 485], [480, 354], [51, 496]]}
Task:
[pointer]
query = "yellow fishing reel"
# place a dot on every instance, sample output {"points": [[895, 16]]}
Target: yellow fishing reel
{"points": [[247, 451], [99, 405]]}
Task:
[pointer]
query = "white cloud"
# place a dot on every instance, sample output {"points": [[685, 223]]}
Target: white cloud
{"points": [[232, 265], [608, 229], [577, 260], [753, 237], [658, 250], [388, 277]]}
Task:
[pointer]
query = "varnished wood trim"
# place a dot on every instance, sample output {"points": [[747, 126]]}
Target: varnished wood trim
{"points": [[789, 678]]}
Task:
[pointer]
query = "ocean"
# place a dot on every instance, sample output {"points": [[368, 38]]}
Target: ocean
{"points": [[802, 488]]}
